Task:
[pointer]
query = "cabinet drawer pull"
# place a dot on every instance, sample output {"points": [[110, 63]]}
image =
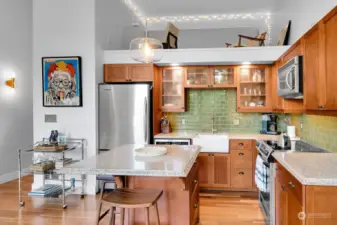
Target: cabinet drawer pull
{"points": [[241, 144], [195, 181], [241, 154], [241, 173], [195, 206], [291, 184]]}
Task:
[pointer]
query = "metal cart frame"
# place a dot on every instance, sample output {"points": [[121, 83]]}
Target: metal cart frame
{"points": [[73, 144]]}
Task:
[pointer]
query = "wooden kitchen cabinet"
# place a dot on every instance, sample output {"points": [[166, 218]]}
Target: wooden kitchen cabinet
{"points": [[223, 76], [242, 174], [312, 82], [140, 73], [288, 204], [128, 73], [320, 65], [172, 89], [221, 174], [115, 73], [281, 200], [297, 204], [205, 161], [210, 77], [253, 93], [214, 170], [197, 77]]}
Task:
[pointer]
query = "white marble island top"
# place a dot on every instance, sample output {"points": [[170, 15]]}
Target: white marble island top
{"points": [[122, 161], [310, 168]]}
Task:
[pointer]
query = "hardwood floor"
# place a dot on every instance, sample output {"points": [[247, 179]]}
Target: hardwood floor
{"points": [[215, 209]]}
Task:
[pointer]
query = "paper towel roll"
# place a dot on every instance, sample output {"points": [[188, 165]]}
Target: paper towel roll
{"points": [[291, 131]]}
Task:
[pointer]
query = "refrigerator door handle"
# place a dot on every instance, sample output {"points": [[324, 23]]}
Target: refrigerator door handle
{"points": [[145, 120]]}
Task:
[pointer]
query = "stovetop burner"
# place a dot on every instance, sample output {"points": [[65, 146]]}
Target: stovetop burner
{"points": [[266, 148]]}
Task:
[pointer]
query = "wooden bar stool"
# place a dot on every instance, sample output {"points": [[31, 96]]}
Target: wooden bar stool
{"points": [[124, 198]]}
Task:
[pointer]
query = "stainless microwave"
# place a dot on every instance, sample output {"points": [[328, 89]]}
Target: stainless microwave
{"points": [[290, 79]]}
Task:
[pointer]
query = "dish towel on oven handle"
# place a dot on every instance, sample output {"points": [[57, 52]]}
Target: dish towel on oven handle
{"points": [[261, 175]]}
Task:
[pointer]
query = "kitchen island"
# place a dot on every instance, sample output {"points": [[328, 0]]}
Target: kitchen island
{"points": [[176, 173]]}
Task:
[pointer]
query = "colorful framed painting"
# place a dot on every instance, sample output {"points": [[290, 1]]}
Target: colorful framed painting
{"points": [[62, 81]]}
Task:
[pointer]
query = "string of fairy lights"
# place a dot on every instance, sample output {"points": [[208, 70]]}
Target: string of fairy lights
{"points": [[266, 17]]}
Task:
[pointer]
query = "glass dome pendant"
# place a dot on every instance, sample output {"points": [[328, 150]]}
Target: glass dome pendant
{"points": [[146, 50]]}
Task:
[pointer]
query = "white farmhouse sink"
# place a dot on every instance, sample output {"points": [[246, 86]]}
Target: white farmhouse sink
{"points": [[212, 142]]}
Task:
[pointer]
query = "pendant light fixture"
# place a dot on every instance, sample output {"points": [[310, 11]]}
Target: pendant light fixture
{"points": [[145, 49]]}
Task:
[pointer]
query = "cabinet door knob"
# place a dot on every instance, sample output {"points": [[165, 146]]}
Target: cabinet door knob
{"points": [[283, 187], [241, 173], [195, 181], [241, 144], [291, 184], [195, 206], [241, 154]]}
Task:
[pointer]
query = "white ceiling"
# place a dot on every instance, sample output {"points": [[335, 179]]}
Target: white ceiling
{"points": [[168, 9], [201, 7]]}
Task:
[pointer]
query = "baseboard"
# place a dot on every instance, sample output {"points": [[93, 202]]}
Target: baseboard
{"points": [[12, 176]]}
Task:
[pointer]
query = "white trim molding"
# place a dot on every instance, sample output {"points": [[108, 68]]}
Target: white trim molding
{"points": [[4, 178]]}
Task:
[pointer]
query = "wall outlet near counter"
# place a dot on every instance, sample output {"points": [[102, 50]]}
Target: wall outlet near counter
{"points": [[236, 122], [183, 121]]}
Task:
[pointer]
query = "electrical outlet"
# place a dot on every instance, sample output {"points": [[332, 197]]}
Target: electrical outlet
{"points": [[183, 121], [236, 122]]}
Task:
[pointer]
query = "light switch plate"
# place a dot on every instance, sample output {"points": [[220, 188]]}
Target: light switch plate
{"points": [[48, 118], [236, 122]]}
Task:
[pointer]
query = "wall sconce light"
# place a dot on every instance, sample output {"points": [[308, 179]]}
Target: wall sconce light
{"points": [[10, 83]]}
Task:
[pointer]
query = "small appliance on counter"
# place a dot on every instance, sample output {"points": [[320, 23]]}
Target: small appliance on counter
{"points": [[284, 142], [269, 124], [165, 125]]}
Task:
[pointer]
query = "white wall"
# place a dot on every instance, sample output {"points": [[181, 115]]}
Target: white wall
{"points": [[16, 110], [303, 14], [114, 29], [208, 38], [67, 28]]}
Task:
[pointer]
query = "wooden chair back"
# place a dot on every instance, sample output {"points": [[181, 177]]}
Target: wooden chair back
{"points": [[255, 43]]}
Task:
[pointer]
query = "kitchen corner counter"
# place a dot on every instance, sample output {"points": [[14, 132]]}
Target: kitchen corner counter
{"points": [[177, 135], [252, 136], [122, 161], [233, 136], [318, 169]]}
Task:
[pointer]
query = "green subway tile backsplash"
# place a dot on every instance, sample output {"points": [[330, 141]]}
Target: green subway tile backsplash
{"points": [[318, 130], [201, 105]]}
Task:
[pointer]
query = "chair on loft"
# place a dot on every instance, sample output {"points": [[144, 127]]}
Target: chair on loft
{"points": [[171, 37], [251, 41]]}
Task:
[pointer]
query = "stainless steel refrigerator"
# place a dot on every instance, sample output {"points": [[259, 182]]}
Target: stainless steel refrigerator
{"points": [[125, 114]]}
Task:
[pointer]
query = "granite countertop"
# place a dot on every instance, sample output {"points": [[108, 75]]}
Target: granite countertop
{"points": [[122, 161], [310, 168], [191, 135]]}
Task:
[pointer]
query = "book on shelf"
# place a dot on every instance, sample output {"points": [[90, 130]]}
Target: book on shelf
{"points": [[48, 190], [61, 163]]}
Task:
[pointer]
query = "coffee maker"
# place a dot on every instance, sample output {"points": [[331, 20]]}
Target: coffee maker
{"points": [[269, 124]]}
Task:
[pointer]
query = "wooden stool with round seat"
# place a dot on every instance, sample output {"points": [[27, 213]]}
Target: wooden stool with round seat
{"points": [[124, 198]]}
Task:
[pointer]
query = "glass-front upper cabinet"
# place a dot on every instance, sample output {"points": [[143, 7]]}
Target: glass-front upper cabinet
{"points": [[197, 77], [172, 89], [223, 76], [253, 89]]}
